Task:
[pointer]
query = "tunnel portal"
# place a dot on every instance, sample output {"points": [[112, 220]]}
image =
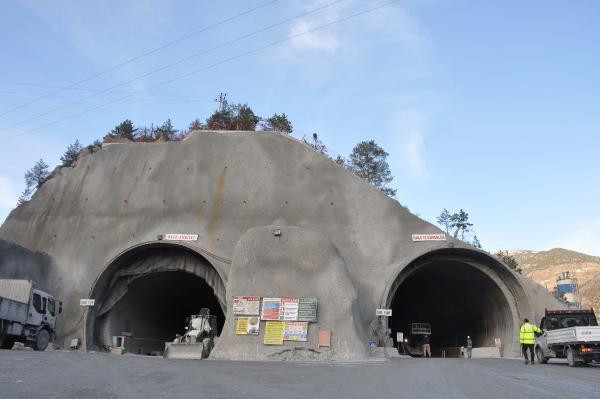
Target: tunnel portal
{"points": [[147, 295], [458, 299]]}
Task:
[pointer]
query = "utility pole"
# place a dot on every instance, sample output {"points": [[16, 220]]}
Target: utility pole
{"points": [[222, 101]]}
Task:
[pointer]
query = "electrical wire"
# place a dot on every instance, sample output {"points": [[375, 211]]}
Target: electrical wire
{"points": [[223, 61], [147, 53], [175, 63]]}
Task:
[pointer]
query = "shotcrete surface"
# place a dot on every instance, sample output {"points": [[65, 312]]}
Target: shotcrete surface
{"points": [[299, 263], [217, 185], [103, 376]]}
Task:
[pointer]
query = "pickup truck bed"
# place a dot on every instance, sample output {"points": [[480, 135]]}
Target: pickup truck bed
{"points": [[573, 334]]}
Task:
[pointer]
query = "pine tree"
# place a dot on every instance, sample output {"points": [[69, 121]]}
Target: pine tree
{"points": [[34, 178], [124, 129], [71, 154], [166, 131], [278, 123], [368, 161]]}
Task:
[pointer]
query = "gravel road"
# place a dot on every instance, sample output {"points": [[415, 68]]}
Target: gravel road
{"points": [[26, 374]]}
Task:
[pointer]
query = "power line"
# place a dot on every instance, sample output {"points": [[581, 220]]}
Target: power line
{"points": [[180, 61], [65, 88], [223, 61], [147, 53], [148, 96]]}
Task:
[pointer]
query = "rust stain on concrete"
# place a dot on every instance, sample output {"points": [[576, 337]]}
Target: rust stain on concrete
{"points": [[215, 218]]}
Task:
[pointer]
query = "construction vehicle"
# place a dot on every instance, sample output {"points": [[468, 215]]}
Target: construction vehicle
{"points": [[27, 315], [573, 334], [413, 344], [198, 340]]}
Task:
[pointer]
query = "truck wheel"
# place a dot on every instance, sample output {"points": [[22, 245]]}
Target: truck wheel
{"points": [[571, 357], [42, 340], [540, 356], [7, 343]]}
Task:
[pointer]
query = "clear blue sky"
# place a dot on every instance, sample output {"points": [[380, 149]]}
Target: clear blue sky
{"points": [[490, 106]]}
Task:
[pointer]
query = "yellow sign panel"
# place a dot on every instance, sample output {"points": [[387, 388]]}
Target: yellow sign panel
{"points": [[274, 333], [241, 326]]}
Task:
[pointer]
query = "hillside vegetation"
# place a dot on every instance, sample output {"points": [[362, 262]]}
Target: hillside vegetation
{"points": [[545, 266]]}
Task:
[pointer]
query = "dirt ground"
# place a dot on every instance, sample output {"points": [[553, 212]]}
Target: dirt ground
{"points": [[27, 374]]}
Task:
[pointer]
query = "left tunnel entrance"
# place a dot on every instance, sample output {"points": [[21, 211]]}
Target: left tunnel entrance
{"points": [[147, 296]]}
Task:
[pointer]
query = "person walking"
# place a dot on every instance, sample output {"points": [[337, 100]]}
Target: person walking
{"points": [[426, 347], [527, 339], [469, 346]]}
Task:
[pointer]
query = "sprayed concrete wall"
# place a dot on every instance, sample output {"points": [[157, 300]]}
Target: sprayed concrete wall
{"points": [[90, 219]]}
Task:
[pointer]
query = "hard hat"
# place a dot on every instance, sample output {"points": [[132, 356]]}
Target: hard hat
{"points": [[468, 336]]}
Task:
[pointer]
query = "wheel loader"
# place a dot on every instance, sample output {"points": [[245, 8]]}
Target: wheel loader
{"points": [[198, 340]]}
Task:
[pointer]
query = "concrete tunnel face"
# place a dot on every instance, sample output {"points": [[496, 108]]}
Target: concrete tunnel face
{"points": [[150, 294], [458, 298]]}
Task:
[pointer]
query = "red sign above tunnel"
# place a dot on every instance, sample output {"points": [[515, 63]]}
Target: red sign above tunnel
{"points": [[181, 237], [429, 237]]}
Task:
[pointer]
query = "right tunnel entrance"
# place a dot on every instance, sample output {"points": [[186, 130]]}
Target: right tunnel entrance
{"points": [[458, 299]]}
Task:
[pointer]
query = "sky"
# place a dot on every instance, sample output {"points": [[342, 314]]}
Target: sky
{"points": [[488, 106]]}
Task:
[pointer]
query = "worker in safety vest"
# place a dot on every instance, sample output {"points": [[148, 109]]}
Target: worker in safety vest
{"points": [[527, 338]]}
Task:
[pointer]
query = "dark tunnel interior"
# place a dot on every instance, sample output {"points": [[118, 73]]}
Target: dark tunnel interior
{"points": [[458, 300], [155, 309]]}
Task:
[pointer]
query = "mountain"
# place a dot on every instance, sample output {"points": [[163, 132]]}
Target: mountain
{"points": [[545, 266]]}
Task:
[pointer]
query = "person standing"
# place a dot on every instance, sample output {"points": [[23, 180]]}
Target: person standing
{"points": [[426, 346], [527, 339], [469, 346]]}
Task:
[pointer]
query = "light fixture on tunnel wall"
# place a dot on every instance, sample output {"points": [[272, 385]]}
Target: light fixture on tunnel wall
{"points": [[277, 232]]}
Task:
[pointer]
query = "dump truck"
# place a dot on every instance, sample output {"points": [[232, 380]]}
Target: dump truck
{"points": [[573, 334], [198, 340], [27, 315]]}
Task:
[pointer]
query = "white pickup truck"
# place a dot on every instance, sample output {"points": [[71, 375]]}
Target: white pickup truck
{"points": [[573, 334]]}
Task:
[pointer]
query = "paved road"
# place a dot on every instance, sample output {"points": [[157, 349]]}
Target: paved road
{"points": [[25, 374]]}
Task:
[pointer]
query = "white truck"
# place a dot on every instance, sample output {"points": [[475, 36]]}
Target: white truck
{"points": [[573, 334], [27, 315]]}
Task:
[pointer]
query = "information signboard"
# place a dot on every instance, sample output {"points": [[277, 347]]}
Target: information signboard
{"points": [[247, 325], [274, 333], [270, 308], [383, 312], [87, 302], [307, 309], [241, 326], [289, 309], [246, 305], [296, 331]]}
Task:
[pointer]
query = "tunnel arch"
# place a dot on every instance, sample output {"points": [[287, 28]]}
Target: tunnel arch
{"points": [[461, 292], [148, 291]]}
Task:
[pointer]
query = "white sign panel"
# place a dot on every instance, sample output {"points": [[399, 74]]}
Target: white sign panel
{"points": [[383, 312], [429, 237], [87, 302], [181, 237], [399, 337]]}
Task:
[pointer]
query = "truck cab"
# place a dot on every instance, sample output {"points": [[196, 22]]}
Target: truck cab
{"points": [[43, 309]]}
